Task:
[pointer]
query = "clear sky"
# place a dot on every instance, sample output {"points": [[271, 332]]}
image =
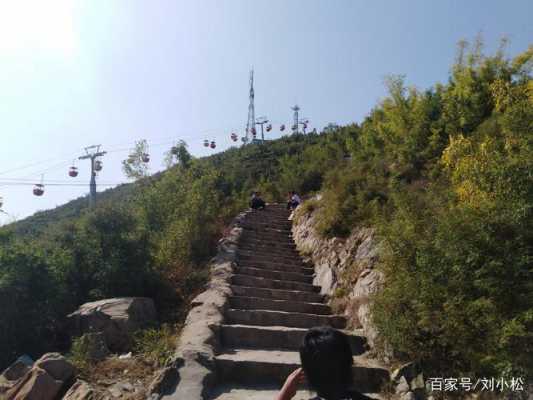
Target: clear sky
{"points": [[76, 73]]}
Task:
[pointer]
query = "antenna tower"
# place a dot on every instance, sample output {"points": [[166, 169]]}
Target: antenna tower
{"points": [[250, 124]]}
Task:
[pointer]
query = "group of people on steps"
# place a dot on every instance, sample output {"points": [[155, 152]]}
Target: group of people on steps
{"points": [[325, 353], [257, 203]]}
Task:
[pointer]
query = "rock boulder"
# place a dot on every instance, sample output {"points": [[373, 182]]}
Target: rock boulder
{"points": [[51, 374], [116, 318], [81, 390]]}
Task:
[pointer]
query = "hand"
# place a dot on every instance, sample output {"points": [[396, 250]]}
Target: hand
{"points": [[291, 385]]}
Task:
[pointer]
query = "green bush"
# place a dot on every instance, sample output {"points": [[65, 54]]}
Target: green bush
{"points": [[156, 345]]}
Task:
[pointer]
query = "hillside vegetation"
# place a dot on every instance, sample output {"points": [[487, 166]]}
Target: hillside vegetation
{"points": [[444, 174]]}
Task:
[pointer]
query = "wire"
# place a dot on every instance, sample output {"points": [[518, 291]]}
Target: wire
{"points": [[59, 184]]}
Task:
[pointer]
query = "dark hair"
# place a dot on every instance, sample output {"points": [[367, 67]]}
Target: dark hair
{"points": [[327, 361]]}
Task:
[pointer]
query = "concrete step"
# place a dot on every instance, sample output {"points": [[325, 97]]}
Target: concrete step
{"points": [[258, 303], [235, 391], [273, 274], [273, 366], [276, 337], [282, 318], [276, 266], [252, 281], [277, 294]]}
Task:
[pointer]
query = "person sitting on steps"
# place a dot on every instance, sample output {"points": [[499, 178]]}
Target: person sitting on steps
{"points": [[257, 203], [294, 201], [326, 359]]}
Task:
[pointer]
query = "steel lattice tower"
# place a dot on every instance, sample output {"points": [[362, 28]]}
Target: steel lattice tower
{"points": [[296, 120], [250, 124]]}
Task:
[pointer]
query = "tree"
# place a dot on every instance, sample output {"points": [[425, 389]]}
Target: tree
{"points": [[136, 165]]}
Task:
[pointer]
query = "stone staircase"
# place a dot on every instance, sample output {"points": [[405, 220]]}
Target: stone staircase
{"points": [[273, 304]]}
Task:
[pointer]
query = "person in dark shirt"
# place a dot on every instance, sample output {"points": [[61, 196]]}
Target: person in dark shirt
{"points": [[257, 203], [326, 358]]}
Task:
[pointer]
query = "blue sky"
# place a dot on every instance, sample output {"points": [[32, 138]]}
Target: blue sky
{"points": [[76, 73]]}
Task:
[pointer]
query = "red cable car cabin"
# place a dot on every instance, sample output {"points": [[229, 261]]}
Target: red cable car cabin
{"points": [[282, 128], [213, 144], [234, 137], [73, 172], [38, 189], [269, 128], [145, 157], [98, 165]]}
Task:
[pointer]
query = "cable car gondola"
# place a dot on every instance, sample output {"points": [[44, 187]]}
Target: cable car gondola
{"points": [[1, 202], [234, 137], [145, 157], [206, 143], [213, 144], [294, 127], [98, 165], [73, 172], [38, 189], [282, 128], [269, 128]]}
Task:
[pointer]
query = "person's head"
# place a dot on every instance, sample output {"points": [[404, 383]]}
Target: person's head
{"points": [[327, 361]]}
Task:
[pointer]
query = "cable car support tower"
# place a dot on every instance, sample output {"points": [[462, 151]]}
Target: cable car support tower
{"points": [[92, 153], [250, 124]]}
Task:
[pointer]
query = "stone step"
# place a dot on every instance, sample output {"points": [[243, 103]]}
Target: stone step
{"points": [[266, 241], [252, 281], [277, 294], [292, 258], [285, 227], [272, 237], [282, 318], [276, 337], [273, 274], [273, 366], [276, 266], [269, 217], [235, 391], [258, 303], [269, 251]]}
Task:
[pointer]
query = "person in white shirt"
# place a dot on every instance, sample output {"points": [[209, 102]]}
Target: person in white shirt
{"points": [[294, 201]]}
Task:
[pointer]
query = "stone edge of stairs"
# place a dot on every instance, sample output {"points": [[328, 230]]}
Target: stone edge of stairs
{"points": [[191, 373]]}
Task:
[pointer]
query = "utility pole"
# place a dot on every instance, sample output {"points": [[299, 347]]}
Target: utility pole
{"points": [[261, 121], [92, 153]]}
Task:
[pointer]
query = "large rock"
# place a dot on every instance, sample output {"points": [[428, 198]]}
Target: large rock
{"points": [[343, 266], [51, 374], [81, 390], [57, 366], [36, 385], [117, 318], [18, 369]]}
